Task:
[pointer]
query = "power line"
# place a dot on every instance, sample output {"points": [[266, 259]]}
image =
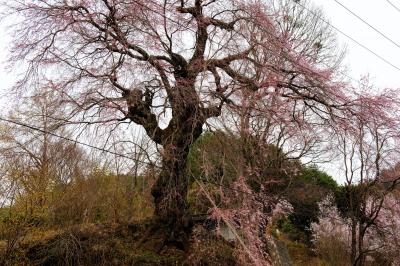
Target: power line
{"points": [[187, 28], [393, 5], [124, 156], [268, 32], [310, 11], [348, 36], [115, 153], [366, 23], [71, 140], [322, 19]]}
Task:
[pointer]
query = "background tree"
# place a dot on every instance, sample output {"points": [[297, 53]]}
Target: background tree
{"points": [[215, 159], [35, 162], [367, 146], [48, 177]]}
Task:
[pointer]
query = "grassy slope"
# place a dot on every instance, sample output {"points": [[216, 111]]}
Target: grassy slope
{"points": [[132, 244]]}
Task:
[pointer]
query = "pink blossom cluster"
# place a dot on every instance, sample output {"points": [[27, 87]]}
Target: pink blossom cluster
{"points": [[331, 223], [249, 220], [381, 239]]}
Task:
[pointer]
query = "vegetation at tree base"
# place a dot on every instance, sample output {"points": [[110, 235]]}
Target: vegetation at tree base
{"points": [[97, 218]]}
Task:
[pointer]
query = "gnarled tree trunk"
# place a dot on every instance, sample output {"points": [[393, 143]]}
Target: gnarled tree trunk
{"points": [[171, 187], [170, 191]]}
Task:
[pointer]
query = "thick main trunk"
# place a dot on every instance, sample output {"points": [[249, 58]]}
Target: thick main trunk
{"points": [[171, 187]]}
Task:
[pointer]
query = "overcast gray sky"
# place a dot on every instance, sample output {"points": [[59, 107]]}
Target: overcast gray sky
{"points": [[381, 14], [384, 17]]}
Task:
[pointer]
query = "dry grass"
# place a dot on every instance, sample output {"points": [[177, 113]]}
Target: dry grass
{"points": [[116, 244]]}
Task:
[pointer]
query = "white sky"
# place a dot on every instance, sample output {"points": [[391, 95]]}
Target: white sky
{"points": [[386, 19], [380, 14]]}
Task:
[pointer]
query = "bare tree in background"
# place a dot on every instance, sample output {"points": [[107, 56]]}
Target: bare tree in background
{"points": [[171, 65], [368, 148], [35, 161]]}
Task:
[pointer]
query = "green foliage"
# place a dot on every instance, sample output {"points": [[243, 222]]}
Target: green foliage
{"points": [[13, 228], [217, 156], [313, 175], [214, 157], [306, 190], [286, 226], [99, 197], [102, 197], [4, 212]]}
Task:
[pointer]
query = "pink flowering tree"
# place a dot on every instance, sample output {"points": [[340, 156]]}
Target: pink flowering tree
{"points": [[380, 239], [331, 234], [169, 66], [247, 214], [367, 146], [385, 235]]}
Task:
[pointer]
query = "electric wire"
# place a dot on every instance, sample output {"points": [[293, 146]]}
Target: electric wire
{"points": [[69, 139], [393, 5], [368, 24], [117, 154], [349, 37]]}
